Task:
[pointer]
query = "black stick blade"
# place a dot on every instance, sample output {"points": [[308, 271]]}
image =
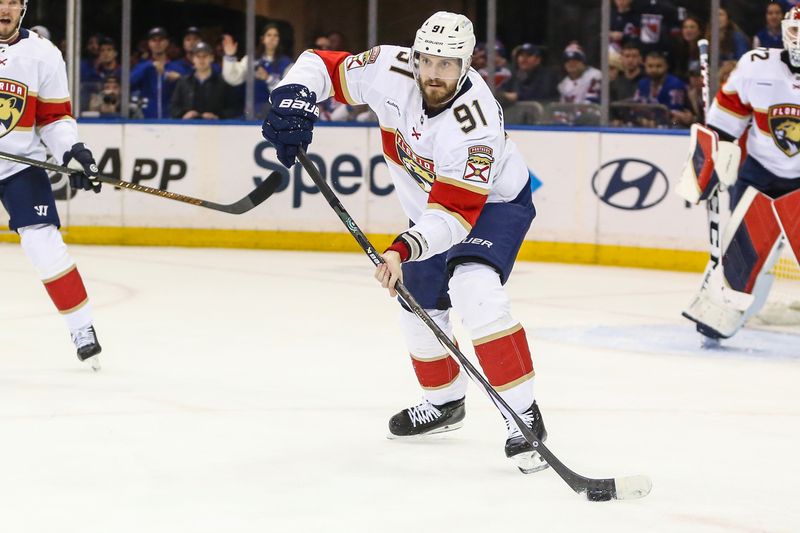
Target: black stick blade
{"points": [[256, 196], [266, 189]]}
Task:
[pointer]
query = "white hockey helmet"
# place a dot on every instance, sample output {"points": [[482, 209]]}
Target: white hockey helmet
{"points": [[445, 34], [790, 27]]}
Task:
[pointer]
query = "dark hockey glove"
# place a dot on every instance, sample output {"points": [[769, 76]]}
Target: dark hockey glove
{"points": [[82, 161], [290, 122]]}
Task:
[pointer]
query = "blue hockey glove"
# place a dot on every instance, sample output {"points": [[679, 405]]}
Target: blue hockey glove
{"points": [[290, 123], [85, 167]]}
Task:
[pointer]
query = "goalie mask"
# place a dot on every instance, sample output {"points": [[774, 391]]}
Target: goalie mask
{"points": [[790, 28], [443, 49]]}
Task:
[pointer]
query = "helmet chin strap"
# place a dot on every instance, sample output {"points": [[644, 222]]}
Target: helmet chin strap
{"points": [[19, 26]]}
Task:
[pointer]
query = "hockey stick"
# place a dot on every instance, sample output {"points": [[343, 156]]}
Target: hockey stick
{"points": [[622, 488], [256, 196], [712, 204]]}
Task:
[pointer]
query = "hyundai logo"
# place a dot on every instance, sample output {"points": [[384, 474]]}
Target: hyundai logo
{"points": [[630, 184]]}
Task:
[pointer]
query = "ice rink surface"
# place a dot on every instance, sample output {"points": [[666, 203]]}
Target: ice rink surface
{"points": [[249, 391]]}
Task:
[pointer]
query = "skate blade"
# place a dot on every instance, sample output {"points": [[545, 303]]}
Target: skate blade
{"points": [[443, 429], [94, 362], [529, 462], [707, 343]]}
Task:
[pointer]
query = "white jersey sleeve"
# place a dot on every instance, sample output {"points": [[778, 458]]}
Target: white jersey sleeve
{"points": [[731, 110], [57, 128], [350, 79]]}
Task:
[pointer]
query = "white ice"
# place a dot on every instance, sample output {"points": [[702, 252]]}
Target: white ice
{"points": [[249, 391]]}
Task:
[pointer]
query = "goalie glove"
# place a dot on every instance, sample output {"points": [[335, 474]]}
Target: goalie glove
{"points": [[711, 163]]}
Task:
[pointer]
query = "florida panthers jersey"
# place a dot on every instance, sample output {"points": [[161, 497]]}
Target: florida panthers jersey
{"points": [[34, 101], [445, 165], [763, 89]]}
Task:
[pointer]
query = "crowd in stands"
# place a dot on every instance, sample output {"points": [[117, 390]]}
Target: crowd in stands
{"points": [[654, 71], [654, 68]]}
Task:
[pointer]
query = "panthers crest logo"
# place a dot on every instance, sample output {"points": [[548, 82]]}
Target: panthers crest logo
{"points": [[418, 167], [784, 124], [13, 97]]}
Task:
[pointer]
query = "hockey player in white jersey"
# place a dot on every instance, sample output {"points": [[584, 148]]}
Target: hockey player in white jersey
{"points": [[466, 190], [35, 108], [761, 97]]}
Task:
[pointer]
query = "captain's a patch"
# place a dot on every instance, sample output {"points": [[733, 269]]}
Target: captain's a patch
{"points": [[479, 164]]}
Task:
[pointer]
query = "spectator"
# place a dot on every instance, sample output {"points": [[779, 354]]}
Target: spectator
{"points": [[321, 42], [337, 41], [624, 24], [625, 85], [479, 63], [107, 101], [771, 36], [270, 67], [41, 31], [203, 93], [90, 54], [660, 87], [733, 43], [150, 79], [685, 52], [582, 83], [725, 70], [695, 109], [184, 65], [107, 63], [659, 25], [531, 80]]}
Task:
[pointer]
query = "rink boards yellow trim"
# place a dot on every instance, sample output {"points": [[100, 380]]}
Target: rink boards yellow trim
{"points": [[558, 252]]}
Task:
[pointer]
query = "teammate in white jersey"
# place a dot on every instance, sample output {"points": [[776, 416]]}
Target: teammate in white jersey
{"points": [[35, 108], [466, 190], [760, 98]]}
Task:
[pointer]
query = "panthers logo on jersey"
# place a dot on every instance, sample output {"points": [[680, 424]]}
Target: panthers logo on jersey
{"points": [[418, 167], [784, 124], [13, 96]]}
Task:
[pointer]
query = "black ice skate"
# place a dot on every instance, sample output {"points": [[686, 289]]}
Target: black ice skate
{"points": [[86, 342], [427, 419], [524, 456]]}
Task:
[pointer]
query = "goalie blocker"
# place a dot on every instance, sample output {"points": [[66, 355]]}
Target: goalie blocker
{"points": [[711, 162]]}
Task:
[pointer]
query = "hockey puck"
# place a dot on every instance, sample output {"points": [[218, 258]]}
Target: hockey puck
{"points": [[598, 495]]}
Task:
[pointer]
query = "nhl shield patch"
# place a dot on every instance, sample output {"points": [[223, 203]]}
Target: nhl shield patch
{"points": [[784, 125], [13, 98], [479, 164]]}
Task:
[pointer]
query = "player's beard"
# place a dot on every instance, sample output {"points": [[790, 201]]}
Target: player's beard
{"points": [[9, 30], [438, 95]]}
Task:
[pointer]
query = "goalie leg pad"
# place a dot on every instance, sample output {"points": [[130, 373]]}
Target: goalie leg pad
{"points": [[499, 340], [437, 372], [787, 209], [751, 235]]}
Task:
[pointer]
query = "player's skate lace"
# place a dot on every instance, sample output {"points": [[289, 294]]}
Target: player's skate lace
{"points": [[423, 413], [83, 337], [513, 430]]}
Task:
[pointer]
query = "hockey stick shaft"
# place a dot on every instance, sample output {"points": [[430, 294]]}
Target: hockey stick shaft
{"points": [[258, 195], [712, 204], [596, 489]]}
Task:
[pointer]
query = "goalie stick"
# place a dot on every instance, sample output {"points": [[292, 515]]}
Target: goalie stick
{"points": [[712, 204], [621, 488], [256, 196]]}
